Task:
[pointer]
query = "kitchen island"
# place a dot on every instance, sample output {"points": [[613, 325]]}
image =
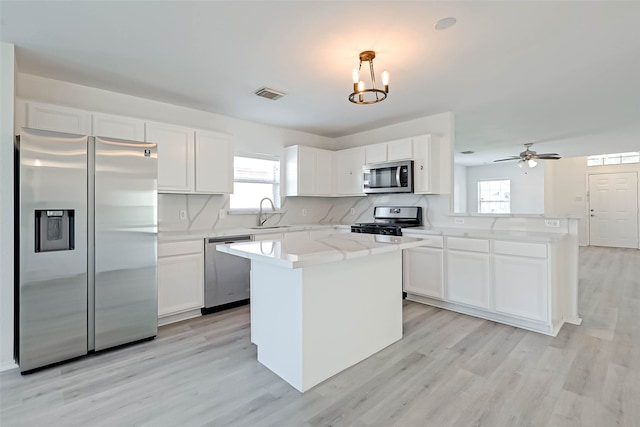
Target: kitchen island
{"points": [[321, 305]]}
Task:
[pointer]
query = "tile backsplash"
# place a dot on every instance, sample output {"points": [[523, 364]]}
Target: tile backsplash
{"points": [[203, 211]]}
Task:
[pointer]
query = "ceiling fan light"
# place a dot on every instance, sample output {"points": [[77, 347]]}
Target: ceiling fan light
{"points": [[520, 163], [532, 163]]}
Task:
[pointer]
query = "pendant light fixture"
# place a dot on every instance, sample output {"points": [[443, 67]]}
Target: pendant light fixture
{"points": [[362, 95]]}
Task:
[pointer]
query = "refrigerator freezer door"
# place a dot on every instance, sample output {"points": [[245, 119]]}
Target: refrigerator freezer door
{"points": [[126, 292], [52, 290]]}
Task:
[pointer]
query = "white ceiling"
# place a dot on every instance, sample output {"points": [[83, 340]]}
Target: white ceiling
{"points": [[563, 74]]}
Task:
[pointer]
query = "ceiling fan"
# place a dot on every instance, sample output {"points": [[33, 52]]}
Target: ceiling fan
{"points": [[528, 156]]}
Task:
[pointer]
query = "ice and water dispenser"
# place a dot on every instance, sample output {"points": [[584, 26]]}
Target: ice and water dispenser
{"points": [[54, 230]]}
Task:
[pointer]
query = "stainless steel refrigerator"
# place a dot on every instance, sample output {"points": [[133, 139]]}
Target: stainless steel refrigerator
{"points": [[87, 276]]}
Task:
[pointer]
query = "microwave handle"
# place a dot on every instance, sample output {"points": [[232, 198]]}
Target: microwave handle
{"points": [[398, 176]]}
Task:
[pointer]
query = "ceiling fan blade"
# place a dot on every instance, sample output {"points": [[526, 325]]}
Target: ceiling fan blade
{"points": [[508, 158], [548, 157], [548, 154]]}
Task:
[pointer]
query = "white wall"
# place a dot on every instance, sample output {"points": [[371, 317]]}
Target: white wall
{"points": [[459, 188], [569, 186], [527, 185], [7, 74]]}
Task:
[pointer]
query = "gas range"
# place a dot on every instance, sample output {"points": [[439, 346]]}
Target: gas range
{"points": [[389, 220]]}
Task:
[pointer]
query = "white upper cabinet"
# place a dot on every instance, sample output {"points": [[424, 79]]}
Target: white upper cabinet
{"points": [[308, 171], [401, 149], [117, 127], [58, 119], [213, 163], [376, 153], [349, 164], [175, 157], [431, 166]]}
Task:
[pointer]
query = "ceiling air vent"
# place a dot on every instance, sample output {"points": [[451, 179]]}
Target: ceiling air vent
{"points": [[269, 93], [467, 152]]}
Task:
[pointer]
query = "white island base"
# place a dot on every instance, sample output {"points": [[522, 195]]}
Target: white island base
{"points": [[312, 322]]}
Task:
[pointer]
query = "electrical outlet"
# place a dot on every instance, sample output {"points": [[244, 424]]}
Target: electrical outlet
{"points": [[304, 211], [458, 221], [555, 223], [353, 211], [183, 214], [222, 213]]}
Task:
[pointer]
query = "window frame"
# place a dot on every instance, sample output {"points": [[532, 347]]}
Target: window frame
{"points": [[614, 159], [277, 183], [486, 202]]}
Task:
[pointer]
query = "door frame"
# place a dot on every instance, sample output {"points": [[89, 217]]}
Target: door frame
{"points": [[588, 204]]}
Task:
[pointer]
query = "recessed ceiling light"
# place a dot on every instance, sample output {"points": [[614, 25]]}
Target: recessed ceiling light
{"points": [[445, 23]]}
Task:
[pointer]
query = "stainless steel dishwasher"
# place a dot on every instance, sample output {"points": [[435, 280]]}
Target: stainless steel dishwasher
{"points": [[226, 277]]}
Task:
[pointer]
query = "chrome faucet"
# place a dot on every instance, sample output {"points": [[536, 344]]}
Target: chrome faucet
{"points": [[266, 216]]}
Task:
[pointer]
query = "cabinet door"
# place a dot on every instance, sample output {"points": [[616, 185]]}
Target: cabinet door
{"points": [[422, 271], [175, 157], [400, 150], [323, 175], [306, 173], [180, 283], [521, 287], [57, 118], [117, 127], [376, 153], [349, 171], [213, 163], [468, 278], [422, 165]]}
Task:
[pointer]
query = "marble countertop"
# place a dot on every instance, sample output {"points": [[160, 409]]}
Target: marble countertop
{"points": [[516, 235], [176, 236], [304, 251]]}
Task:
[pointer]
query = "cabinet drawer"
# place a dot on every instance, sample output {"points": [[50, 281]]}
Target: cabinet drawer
{"points": [[472, 245], [533, 250], [180, 248], [430, 242]]}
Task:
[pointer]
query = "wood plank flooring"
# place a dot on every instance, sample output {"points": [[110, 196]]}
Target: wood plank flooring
{"points": [[448, 370]]}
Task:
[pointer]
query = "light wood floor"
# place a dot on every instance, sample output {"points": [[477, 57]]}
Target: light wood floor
{"points": [[449, 369]]}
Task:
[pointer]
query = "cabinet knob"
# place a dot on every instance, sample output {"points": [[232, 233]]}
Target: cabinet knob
{"points": [[421, 167], [592, 215]]}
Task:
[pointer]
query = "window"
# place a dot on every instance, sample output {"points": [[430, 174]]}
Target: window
{"points": [[494, 196], [613, 159], [255, 178]]}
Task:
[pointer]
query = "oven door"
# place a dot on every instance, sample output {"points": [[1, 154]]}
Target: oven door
{"points": [[394, 177]]}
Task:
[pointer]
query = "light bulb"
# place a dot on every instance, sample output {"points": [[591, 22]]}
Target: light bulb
{"points": [[355, 75], [532, 163], [360, 86], [385, 80]]}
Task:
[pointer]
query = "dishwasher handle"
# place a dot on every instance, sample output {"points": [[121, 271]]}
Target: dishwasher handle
{"points": [[228, 239]]}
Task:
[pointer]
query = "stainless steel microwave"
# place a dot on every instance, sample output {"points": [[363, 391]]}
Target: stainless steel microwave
{"points": [[396, 177]]}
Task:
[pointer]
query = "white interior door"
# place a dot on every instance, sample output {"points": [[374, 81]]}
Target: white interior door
{"points": [[613, 205]]}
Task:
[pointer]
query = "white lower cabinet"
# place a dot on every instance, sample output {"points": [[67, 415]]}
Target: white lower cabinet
{"points": [[468, 278], [422, 271], [521, 287], [505, 281], [180, 280]]}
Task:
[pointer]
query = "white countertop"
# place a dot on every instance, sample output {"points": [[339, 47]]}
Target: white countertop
{"points": [[305, 251], [175, 236], [527, 236]]}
